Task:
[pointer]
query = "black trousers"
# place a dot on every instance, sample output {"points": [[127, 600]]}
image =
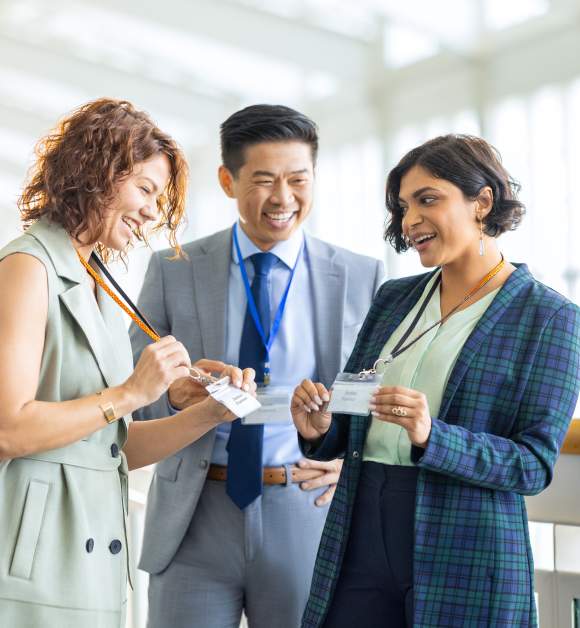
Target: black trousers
{"points": [[375, 586]]}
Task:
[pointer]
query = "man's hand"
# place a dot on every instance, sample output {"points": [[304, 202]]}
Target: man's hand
{"points": [[329, 474], [187, 392]]}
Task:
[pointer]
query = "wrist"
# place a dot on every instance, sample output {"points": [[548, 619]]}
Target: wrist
{"points": [[423, 440], [204, 413], [176, 404], [128, 399], [315, 434]]}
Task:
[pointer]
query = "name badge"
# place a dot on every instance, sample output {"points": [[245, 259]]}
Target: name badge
{"points": [[237, 401], [275, 408], [351, 393]]}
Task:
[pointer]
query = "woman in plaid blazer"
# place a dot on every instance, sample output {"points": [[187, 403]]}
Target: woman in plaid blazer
{"points": [[457, 552]]}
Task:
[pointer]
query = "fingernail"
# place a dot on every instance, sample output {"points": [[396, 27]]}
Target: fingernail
{"points": [[326, 397], [246, 387], [375, 413], [372, 406], [305, 408], [318, 400], [238, 383], [314, 407], [304, 485]]}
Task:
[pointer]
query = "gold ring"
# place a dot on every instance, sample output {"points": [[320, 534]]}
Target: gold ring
{"points": [[398, 411]]}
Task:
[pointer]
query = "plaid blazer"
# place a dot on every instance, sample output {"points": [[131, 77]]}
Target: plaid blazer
{"points": [[504, 415]]}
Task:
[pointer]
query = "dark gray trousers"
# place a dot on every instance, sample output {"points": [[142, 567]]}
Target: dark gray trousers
{"points": [[259, 561]]}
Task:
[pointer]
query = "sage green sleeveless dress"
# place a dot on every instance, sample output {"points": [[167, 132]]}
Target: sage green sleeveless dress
{"points": [[63, 535]]}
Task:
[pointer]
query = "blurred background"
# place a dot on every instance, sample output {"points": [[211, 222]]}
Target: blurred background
{"points": [[379, 77]]}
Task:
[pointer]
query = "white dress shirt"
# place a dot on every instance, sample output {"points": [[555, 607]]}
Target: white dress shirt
{"points": [[292, 356]]}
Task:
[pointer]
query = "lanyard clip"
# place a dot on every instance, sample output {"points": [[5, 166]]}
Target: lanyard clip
{"points": [[378, 368], [201, 378]]}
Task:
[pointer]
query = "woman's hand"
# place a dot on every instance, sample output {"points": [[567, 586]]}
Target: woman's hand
{"points": [[411, 411], [308, 406], [160, 364], [187, 391]]}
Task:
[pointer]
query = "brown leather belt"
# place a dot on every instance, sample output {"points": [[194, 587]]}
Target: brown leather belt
{"points": [[272, 475]]}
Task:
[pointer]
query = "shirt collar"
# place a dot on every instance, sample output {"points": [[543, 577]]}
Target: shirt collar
{"points": [[287, 251]]}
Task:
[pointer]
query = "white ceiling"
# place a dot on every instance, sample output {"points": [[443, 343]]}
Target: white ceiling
{"points": [[190, 63]]}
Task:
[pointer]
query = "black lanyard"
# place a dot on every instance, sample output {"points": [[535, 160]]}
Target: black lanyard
{"points": [[104, 270], [399, 348]]}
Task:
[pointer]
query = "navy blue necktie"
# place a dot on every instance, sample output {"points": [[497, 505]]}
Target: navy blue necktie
{"points": [[244, 477]]}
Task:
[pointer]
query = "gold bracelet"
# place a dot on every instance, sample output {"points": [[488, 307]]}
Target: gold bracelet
{"points": [[108, 410]]}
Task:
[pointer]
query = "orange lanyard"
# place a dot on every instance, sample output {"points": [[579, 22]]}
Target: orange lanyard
{"points": [[145, 327], [136, 316]]}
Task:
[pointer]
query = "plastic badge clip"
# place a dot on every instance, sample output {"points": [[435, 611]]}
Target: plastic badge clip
{"points": [[378, 368], [201, 378]]}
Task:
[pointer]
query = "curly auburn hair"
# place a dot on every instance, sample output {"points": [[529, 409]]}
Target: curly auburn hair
{"points": [[471, 164], [80, 164]]}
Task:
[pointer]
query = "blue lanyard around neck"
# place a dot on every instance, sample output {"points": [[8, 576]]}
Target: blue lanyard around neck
{"points": [[266, 340]]}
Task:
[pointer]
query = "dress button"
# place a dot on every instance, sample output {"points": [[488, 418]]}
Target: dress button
{"points": [[203, 464], [114, 450], [115, 546], [89, 545], [355, 454]]}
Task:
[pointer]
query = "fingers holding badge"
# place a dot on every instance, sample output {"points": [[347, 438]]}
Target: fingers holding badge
{"points": [[308, 407]]}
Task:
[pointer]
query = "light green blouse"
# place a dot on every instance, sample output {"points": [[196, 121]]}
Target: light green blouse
{"points": [[425, 367]]}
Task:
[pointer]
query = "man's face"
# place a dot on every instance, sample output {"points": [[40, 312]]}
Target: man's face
{"points": [[273, 190]]}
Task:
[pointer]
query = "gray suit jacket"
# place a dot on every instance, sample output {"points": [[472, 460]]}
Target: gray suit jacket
{"points": [[188, 299]]}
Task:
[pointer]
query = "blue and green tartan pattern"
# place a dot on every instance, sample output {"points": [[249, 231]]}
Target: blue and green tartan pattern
{"points": [[504, 415]]}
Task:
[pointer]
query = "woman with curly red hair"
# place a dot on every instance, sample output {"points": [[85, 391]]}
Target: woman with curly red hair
{"points": [[67, 383]]}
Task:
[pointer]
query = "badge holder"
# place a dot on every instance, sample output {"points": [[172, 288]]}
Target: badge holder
{"points": [[275, 408], [237, 401], [351, 393]]}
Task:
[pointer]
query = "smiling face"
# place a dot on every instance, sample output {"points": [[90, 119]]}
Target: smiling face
{"points": [[273, 190], [438, 220], [135, 202]]}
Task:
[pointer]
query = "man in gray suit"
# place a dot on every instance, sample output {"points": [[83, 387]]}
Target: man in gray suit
{"points": [[234, 520]]}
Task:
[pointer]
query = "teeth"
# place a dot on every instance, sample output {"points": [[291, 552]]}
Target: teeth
{"points": [[280, 217], [133, 227], [422, 238]]}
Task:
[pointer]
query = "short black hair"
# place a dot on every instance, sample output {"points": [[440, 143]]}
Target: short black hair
{"points": [[471, 164], [264, 123]]}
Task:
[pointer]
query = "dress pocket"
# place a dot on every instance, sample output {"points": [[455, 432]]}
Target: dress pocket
{"points": [[29, 531], [169, 468]]}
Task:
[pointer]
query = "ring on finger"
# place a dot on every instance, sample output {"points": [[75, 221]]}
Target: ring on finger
{"points": [[398, 411]]}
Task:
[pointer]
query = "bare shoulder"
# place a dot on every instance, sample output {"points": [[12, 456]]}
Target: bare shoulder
{"points": [[23, 277], [22, 266]]}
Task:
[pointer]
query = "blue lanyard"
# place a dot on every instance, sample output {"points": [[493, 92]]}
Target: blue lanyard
{"points": [[267, 341]]}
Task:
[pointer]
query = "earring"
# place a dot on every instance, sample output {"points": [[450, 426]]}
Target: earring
{"points": [[481, 243]]}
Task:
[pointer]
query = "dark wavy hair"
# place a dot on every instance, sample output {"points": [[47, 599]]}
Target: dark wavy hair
{"points": [[264, 123], [471, 164], [80, 164]]}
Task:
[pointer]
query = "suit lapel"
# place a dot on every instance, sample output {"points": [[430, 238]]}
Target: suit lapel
{"points": [[391, 317], [79, 301], [211, 280], [83, 308], [515, 282], [328, 281], [119, 343]]}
